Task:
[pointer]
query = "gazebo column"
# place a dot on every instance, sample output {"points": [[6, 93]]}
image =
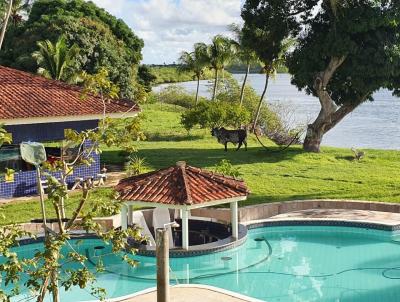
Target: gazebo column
{"points": [[124, 217], [185, 229], [234, 219], [130, 210]]}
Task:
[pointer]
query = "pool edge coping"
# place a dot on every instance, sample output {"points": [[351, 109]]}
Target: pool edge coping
{"points": [[366, 224], [200, 286]]}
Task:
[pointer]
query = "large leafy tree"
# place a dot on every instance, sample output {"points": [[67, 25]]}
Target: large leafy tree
{"points": [[104, 40], [196, 62], [146, 77], [350, 50], [55, 60], [220, 53]]}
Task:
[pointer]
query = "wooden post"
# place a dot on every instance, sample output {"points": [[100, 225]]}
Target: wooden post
{"points": [[130, 210], [234, 219], [124, 217], [162, 253], [41, 194], [185, 229]]}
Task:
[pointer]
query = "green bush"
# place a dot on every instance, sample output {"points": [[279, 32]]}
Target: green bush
{"points": [[215, 114], [230, 92], [175, 95], [225, 167]]}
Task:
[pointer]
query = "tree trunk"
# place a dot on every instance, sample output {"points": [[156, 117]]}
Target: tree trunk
{"points": [[215, 85], [244, 84], [197, 90], [330, 115], [5, 23], [54, 286], [313, 139], [261, 102]]}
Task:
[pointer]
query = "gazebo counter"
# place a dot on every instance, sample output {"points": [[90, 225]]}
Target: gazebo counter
{"points": [[197, 250]]}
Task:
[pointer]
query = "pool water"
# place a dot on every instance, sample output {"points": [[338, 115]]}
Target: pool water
{"points": [[298, 263]]}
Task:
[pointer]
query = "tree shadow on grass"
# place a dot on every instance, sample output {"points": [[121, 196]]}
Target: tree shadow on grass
{"points": [[172, 137], [165, 157], [348, 158]]}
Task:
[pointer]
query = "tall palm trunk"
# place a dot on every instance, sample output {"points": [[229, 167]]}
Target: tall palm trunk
{"points": [[215, 85], [261, 102], [5, 23], [244, 84], [197, 90]]}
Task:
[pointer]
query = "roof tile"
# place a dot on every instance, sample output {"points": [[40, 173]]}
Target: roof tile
{"points": [[180, 185], [24, 95]]}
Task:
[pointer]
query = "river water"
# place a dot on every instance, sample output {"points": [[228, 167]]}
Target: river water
{"points": [[372, 125]]}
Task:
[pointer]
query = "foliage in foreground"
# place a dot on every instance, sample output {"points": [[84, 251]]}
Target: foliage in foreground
{"points": [[45, 271]]}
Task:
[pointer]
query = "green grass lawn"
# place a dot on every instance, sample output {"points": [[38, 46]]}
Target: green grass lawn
{"points": [[270, 175]]}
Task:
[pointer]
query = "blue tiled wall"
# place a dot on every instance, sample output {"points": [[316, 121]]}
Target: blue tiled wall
{"points": [[24, 183], [46, 131]]}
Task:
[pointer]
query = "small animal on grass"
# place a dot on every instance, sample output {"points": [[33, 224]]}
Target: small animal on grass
{"points": [[358, 154], [236, 137]]}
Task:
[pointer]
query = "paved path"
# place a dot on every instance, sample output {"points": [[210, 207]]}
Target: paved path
{"points": [[386, 218], [192, 294]]}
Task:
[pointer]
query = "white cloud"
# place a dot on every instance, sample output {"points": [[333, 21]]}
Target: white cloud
{"points": [[170, 26]]}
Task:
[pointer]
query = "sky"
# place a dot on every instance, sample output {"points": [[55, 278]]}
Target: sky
{"points": [[169, 27]]}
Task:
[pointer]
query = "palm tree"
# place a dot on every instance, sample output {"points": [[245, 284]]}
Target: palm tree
{"points": [[6, 12], [245, 54], [269, 69], [220, 53], [195, 62], [55, 60], [19, 9]]}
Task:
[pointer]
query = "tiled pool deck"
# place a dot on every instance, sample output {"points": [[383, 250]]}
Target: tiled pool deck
{"points": [[387, 220], [194, 293]]}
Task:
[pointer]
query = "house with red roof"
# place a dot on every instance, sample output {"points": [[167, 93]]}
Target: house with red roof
{"points": [[34, 108]]}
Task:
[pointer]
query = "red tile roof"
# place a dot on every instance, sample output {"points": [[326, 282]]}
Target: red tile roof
{"points": [[180, 185], [24, 95]]}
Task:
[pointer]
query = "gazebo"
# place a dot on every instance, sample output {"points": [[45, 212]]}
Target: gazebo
{"points": [[181, 187]]}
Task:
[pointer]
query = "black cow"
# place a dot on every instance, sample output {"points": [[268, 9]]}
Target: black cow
{"points": [[230, 136]]}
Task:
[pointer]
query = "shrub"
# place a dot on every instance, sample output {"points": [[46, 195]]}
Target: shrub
{"points": [[215, 114], [175, 95], [225, 167], [230, 92], [135, 165]]}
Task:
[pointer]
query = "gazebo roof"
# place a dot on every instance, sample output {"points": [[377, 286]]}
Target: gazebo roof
{"points": [[181, 185]]}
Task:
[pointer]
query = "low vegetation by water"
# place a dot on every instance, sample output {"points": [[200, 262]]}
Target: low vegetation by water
{"points": [[271, 175], [171, 74]]}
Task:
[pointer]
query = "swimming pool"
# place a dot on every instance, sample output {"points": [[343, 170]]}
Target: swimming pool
{"points": [[296, 263]]}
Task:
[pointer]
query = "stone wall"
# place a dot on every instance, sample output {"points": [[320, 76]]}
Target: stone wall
{"points": [[267, 210]]}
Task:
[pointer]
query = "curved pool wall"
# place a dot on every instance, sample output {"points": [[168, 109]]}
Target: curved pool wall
{"points": [[220, 245], [276, 263]]}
